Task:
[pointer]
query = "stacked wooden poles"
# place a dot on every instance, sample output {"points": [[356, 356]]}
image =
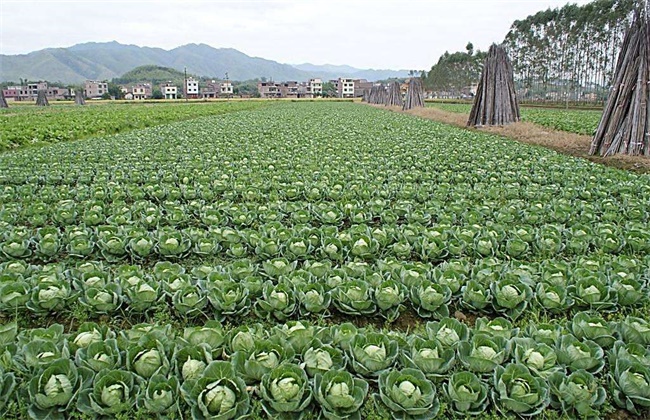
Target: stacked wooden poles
{"points": [[414, 94], [625, 125], [394, 96], [79, 97], [377, 95], [3, 100], [41, 99], [495, 102], [364, 98]]}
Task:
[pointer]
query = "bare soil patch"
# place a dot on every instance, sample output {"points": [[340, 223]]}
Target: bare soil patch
{"points": [[567, 143]]}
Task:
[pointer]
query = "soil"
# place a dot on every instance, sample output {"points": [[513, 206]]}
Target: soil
{"points": [[571, 144]]}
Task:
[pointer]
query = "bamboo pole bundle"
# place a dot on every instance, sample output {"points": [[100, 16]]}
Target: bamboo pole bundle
{"points": [[625, 125], [394, 95], [41, 99], [79, 97], [364, 98], [3, 100], [495, 102], [377, 95], [414, 94]]}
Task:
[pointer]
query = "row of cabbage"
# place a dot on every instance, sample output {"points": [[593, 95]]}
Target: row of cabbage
{"points": [[279, 289], [68, 122], [415, 242], [295, 368], [211, 210]]}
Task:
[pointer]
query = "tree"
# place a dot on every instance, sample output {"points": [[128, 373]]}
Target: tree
{"points": [[114, 91], [106, 96], [329, 90], [469, 48], [157, 94]]}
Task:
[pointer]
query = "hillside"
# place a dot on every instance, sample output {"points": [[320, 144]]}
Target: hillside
{"points": [[108, 60], [112, 59], [152, 73], [348, 71]]}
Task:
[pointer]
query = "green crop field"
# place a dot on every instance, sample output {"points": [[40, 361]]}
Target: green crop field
{"points": [[320, 260], [29, 125], [572, 121]]}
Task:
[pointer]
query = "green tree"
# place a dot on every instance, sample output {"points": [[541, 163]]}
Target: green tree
{"points": [[157, 94], [329, 90], [114, 91]]}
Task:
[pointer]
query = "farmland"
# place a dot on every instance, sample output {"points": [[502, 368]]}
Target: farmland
{"points": [[28, 126], [301, 258], [572, 121]]}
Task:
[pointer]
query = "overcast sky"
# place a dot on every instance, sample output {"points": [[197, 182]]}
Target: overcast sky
{"points": [[406, 34]]}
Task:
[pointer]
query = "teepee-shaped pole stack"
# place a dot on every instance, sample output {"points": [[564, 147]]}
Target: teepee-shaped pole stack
{"points": [[394, 96], [3, 100], [414, 94], [625, 125], [41, 99], [495, 102], [79, 97], [377, 95]]}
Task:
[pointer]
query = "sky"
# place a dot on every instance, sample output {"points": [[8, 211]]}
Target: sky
{"points": [[380, 34]]}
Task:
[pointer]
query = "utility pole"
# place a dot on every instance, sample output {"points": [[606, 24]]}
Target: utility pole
{"points": [[185, 82], [227, 87]]}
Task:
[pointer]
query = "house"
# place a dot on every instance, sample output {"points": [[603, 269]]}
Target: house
{"points": [[345, 87], [361, 86], [315, 87], [289, 89], [30, 92], [216, 89], [169, 90], [95, 89], [269, 89], [141, 91], [226, 88], [191, 88]]}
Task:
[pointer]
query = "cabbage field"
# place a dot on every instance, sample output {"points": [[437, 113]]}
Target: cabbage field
{"points": [[578, 121], [320, 260], [28, 125]]}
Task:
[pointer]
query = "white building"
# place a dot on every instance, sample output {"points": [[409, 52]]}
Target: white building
{"points": [[345, 88], [192, 88], [226, 88], [169, 91], [316, 87]]}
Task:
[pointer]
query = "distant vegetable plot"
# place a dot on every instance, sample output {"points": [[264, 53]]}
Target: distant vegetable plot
{"points": [[24, 126], [572, 121], [308, 258]]}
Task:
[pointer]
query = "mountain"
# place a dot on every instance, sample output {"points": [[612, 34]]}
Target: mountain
{"points": [[355, 73], [107, 60], [328, 68]]}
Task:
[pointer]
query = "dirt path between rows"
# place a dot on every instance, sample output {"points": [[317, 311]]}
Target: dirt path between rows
{"points": [[567, 143]]}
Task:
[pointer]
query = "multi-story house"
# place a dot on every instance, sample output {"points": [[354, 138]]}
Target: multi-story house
{"points": [[30, 92], [95, 89], [269, 89], [226, 88], [141, 91], [169, 90], [361, 86], [216, 89], [345, 87], [315, 87], [289, 89], [191, 88]]}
